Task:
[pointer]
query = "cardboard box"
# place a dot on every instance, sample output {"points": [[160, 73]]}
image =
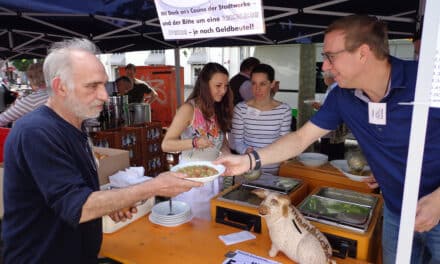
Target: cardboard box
{"points": [[110, 161], [109, 226]]}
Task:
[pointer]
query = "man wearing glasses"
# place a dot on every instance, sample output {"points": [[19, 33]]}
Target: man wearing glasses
{"points": [[371, 84]]}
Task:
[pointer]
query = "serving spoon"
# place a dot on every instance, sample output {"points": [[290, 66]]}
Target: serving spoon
{"points": [[170, 202]]}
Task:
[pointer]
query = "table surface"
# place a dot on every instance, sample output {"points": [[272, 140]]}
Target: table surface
{"points": [[194, 242]]}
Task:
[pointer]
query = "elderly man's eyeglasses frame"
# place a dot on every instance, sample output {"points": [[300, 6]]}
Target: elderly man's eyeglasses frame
{"points": [[330, 56]]}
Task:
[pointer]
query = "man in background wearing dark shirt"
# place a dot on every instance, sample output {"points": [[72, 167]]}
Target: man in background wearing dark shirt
{"points": [[241, 84], [141, 92]]}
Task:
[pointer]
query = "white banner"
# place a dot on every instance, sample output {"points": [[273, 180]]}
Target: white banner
{"points": [[195, 19], [435, 90]]}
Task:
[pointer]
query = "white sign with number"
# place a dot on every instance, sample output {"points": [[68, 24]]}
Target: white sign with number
{"points": [[194, 19]]}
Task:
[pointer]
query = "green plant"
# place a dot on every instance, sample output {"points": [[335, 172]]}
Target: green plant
{"points": [[22, 64]]}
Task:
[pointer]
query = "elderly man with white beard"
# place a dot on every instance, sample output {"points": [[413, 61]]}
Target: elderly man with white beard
{"points": [[51, 192]]}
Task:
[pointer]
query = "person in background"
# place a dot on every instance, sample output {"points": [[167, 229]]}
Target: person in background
{"points": [[273, 92], [26, 104], [141, 91], [240, 84], [261, 120], [369, 80], [198, 130], [3, 91], [332, 144], [52, 202], [416, 43], [123, 85]]}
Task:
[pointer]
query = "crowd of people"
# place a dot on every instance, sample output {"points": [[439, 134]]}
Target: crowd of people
{"points": [[51, 186]]}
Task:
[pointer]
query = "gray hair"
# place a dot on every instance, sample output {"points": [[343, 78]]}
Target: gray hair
{"points": [[58, 62]]}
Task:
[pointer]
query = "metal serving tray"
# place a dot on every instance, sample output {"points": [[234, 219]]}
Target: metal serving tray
{"points": [[342, 208]]}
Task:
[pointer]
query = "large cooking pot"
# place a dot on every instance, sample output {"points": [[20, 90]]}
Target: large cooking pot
{"points": [[139, 113]]}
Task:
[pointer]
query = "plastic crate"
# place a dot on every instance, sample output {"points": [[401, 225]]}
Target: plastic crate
{"points": [[3, 135], [155, 164], [151, 131], [130, 138], [106, 139]]}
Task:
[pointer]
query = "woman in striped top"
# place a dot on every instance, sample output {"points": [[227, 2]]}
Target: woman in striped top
{"points": [[261, 120], [28, 103]]}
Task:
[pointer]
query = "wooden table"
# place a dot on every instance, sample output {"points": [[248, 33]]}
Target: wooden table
{"points": [[195, 242], [325, 175]]}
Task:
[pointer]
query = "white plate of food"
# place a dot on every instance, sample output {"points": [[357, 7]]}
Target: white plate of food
{"points": [[201, 171], [342, 166]]}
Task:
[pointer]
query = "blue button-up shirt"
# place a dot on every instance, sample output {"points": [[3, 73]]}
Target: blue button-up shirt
{"points": [[386, 146]]}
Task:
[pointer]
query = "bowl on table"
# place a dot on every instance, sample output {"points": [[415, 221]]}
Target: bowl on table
{"points": [[201, 171], [312, 159], [354, 175]]}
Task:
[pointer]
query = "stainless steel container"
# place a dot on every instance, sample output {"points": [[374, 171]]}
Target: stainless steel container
{"points": [[116, 111], [139, 113], [343, 208]]}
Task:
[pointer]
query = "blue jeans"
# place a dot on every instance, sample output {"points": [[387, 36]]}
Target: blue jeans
{"points": [[426, 246]]}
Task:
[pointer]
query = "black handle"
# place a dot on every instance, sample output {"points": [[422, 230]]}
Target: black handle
{"points": [[342, 252], [234, 224]]}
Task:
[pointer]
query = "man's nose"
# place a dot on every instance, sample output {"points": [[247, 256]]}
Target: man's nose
{"points": [[102, 93], [326, 65]]}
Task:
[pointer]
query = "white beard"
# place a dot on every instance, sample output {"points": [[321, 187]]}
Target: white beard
{"points": [[79, 109]]}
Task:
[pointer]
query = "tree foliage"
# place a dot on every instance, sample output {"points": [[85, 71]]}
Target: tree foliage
{"points": [[22, 64]]}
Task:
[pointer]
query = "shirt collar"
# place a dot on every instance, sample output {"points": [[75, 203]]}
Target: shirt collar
{"points": [[397, 79]]}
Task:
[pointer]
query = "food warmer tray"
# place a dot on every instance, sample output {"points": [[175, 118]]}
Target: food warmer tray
{"points": [[342, 208]]}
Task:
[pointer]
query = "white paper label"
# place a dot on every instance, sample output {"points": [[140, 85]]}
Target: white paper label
{"points": [[195, 19], [252, 112], [377, 113]]}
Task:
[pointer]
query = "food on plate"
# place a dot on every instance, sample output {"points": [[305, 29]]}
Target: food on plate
{"points": [[198, 171], [328, 208], [356, 161]]}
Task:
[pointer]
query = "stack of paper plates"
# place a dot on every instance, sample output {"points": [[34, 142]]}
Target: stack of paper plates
{"points": [[162, 215]]}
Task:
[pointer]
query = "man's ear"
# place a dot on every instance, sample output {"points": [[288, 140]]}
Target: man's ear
{"points": [[58, 87], [364, 52]]}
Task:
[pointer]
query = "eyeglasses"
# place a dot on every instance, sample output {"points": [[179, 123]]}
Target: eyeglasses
{"points": [[330, 56]]}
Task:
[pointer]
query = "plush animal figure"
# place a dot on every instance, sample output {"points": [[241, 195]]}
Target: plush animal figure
{"points": [[290, 232]]}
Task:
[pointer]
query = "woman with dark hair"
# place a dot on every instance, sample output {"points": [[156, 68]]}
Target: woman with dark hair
{"points": [[261, 120], [199, 128]]}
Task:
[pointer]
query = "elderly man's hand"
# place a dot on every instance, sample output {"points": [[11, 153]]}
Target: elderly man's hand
{"points": [[123, 214], [170, 184]]}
